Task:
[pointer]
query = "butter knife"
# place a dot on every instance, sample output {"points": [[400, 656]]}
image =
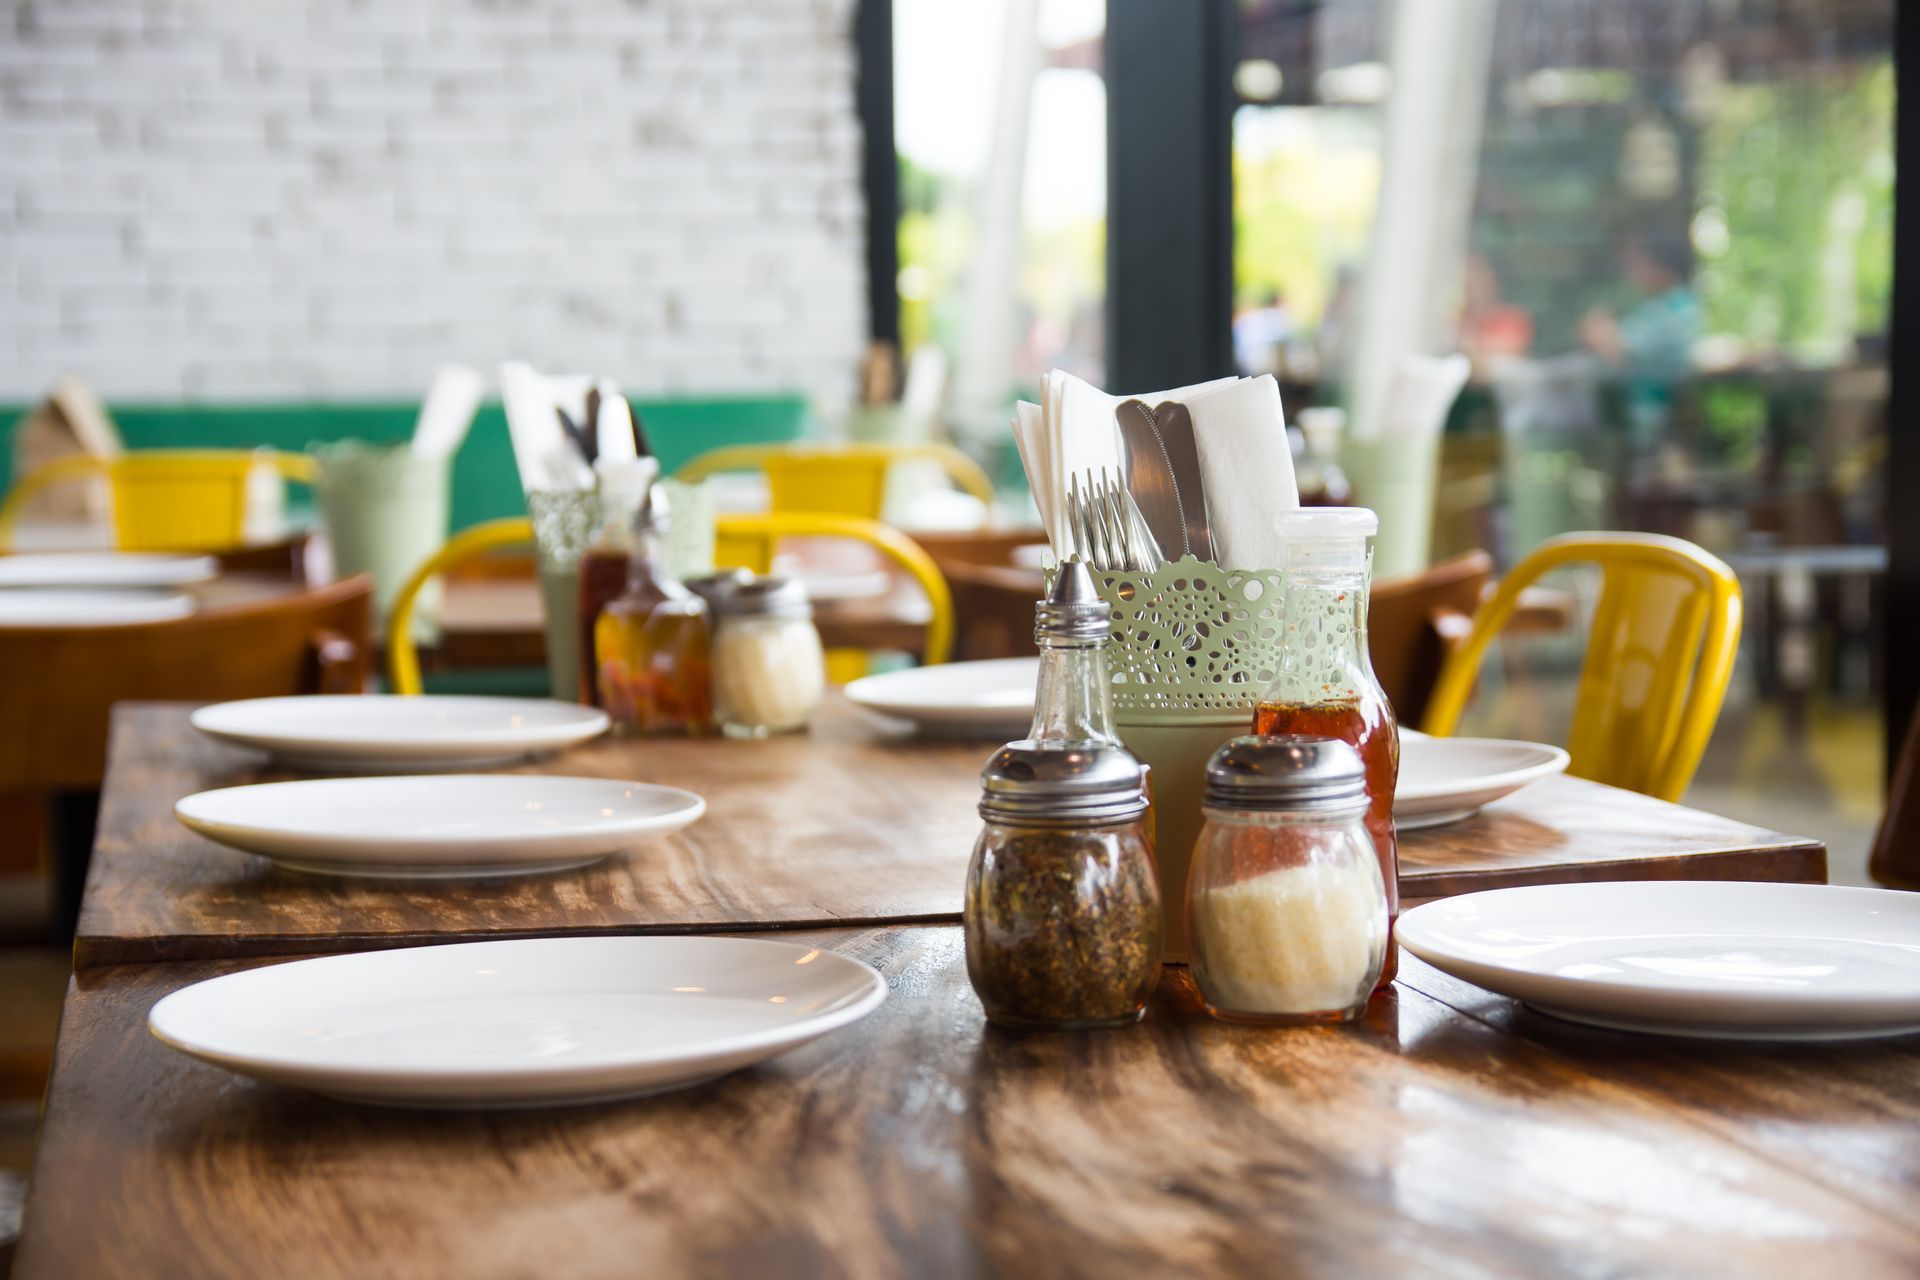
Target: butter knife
{"points": [[1175, 426], [1150, 477]]}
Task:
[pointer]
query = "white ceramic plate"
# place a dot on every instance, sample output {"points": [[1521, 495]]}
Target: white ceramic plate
{"points": [[53, 607], [364, 732], [1447, 779], [992, 698], [1706, 959], [106, 569], [542, 1022], [438, 826]]}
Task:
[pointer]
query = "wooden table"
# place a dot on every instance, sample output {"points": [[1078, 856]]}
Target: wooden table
{"points": [[854, 823], [1449, 1134]]}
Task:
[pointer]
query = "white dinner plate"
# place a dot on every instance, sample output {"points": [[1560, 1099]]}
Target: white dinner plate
{"points": [[363, 732], [540, 1022], [439, 825], [1706, 959], [60, 607], [105, 569], [1447, 779], [993, 698]]}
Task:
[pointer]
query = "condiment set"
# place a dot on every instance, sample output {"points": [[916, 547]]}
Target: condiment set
{"points": [[735, 651], [1291, 890]]}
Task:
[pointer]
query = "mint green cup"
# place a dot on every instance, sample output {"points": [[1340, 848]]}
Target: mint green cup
{"points": [[385, 510]]}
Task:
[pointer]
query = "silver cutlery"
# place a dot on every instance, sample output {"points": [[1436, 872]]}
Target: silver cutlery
{"points": [[1163, 475], [1107, 527]]}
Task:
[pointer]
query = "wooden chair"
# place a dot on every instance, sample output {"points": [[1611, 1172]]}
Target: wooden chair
{"points": [[59, 684], [1660, 653], [1413, 623], [1895, 860], [746, 542], [836, 479], [167, 499], [992, 609]]}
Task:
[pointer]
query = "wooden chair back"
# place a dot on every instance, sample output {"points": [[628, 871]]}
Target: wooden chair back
{"points": [[992, 609], [58, 684], [1895, 860], [1413, 623]]}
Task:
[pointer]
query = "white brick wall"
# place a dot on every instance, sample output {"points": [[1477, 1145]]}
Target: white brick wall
{"points": [[219, 199]]}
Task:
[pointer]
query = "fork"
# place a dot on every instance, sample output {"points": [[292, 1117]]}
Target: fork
{"points": [[1108, 529]]}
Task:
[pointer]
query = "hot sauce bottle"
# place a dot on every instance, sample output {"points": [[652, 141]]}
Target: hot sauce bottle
{"points": [[605, 565], [1325, 686], [653, 642]]}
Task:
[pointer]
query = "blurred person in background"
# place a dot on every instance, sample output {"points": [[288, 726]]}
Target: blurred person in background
{"points": [[1260, 332], [1651, 343], [1491, 328]]}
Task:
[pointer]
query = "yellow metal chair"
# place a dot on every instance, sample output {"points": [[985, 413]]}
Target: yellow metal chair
{"points": [[836, 479], [1659, 656], [745, 542], [166, 499]]}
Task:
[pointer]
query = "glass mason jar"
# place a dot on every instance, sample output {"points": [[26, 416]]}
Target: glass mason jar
{"points": [[1325, 683], [1063, 922], [1286, 909], [769, 670]]}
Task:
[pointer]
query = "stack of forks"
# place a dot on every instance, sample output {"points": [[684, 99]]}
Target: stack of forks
{"points": [[1108, 530]]}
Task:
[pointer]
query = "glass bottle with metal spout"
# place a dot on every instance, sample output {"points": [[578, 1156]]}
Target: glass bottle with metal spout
{"points": [[1062, 911], [1325, 684]]}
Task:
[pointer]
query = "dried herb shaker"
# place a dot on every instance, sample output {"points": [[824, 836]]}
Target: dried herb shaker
{"points": [[1062, 913]]}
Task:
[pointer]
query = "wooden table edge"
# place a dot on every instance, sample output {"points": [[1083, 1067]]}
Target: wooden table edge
{"points": [[96, 952], [1805, 862]]}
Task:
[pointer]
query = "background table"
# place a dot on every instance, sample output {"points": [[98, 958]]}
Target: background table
{"points": [[1447, 1134], [853, 823]]}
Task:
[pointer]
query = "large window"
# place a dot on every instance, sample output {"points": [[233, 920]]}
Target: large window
{"points": [[1000, 119], [1661, 229]]}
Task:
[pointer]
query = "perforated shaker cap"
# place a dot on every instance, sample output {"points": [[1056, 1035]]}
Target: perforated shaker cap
{"points": [[1085, 782], [1073, 610], [1287, 773]]}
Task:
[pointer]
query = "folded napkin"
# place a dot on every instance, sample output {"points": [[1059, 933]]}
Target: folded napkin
{"points": [[1422, 392], [546, 459], [1246, 463], [447, 412], [1071, 432]]}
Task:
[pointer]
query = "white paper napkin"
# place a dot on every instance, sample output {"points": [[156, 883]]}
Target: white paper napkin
{"points": [[1422, 392], [544, 456], [447, 413], [1246, 463]]}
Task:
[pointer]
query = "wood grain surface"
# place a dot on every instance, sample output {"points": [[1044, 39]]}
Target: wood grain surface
{"points": [[852, 824], [1446, 1135]]}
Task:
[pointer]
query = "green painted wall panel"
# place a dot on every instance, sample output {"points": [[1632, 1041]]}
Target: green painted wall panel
{"points": [[485, 483]]}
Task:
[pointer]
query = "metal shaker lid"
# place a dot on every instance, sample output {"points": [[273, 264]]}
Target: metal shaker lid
{"points": [[1073, 609], [752, 595], [1287, 772], [1079, 782]]}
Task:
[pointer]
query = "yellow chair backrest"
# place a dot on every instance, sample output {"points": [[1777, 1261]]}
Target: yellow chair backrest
{"points": [[838, 479], [1660, 654], [739, 542], [167, 499]]}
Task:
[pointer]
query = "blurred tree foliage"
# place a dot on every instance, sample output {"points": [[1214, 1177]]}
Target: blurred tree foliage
{"points": [[1303, 200], [1800, 174]]}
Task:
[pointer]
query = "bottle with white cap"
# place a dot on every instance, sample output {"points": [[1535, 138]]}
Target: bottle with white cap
{"points": [[1325, 684]]}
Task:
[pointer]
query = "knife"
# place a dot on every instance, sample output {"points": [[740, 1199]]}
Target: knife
{"points": [[1175, 426], [1150, 477]]}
